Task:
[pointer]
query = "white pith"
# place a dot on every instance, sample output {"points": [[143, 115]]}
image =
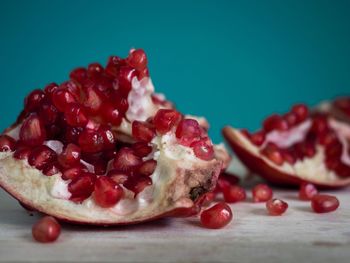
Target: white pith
{"points": [[311, 169]]}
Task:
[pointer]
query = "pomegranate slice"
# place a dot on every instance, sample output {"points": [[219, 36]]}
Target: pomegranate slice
{"points": [[314, 148], [100, 149]]}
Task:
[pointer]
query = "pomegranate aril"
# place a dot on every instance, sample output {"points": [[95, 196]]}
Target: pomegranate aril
{"points": [[188, 131], [72, 134], [342, 170], [125, 76], [95, 71], [203, 149], [41, 156], [117, 176], [328, 138], [291, 119], [147, 168], [106, 192], [143, 131], [273, 153], [51, 169], [75, 115], [275, 122], [34, 100], [78, 74], [319, 124], [305, 149], [73, 172], [70, 155], [108, 136], [82, 187], [111, 114], [93, 100], [126, 160], [143, 74], [50, 89], [113, 65], [61, 98], [234, 193], [100, 167], [120, 102], [307, 191], [165, 120], [46, 230], [137, 184], [261, 193], [226, 180], [257, 138], [276, 207], [207, 198], [22, 153], [334, 150], [301, 111], [216, 216], [142, 149], [48, 113], [322, 203], [32, 132], [7, 143], [91, 141], [289, 156], [137, 59]]}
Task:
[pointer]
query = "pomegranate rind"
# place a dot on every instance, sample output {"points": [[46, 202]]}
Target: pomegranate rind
{"points": [[279, 175]]}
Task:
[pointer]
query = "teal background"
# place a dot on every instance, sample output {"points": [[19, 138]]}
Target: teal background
{"points": [[232, 61]]}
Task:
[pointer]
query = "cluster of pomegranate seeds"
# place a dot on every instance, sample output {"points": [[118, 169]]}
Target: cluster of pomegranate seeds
{"points": [[262, 193], [46, 230], [216, 216], [276, 207]]}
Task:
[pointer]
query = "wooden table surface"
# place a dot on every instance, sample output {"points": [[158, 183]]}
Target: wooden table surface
{"points": [[298, 236]]}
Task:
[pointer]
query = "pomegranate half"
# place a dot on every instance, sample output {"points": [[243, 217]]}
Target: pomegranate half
{"points": [[296, 147], [104, 149]]}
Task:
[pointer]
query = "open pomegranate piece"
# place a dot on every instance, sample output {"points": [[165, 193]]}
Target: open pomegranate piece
{"points": [[103, 148], [296, 147], [338, 108]]}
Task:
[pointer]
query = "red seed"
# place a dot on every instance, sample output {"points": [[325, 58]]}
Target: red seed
{"points": [[111, 114], [275, 122], [51, 169], [73, 172], [100, 166], [70, 156], [137, 59], [142, 149], [76, 115], [7, 143], [301, 111], [203, 149], [207, 198], [137, 184], [188, 131], [48, 113], [78, 74], [216, 216], [319, 124], [147, 168], [143, 131], [91, 141], [273, 153], [261, 193], [291, 118], [72, 134], [234, 193], [276, 207], [41, 156], [81, 187], [117, 176], [113, 65], [93, 100], [258, 138], [32, 132], [321, 203], [307, 191], [226, 180], [94, 71], [61, 98], [165, 120], [106, 192], [126, 160], [125, 76], [50, 89], [22, 153], [46, 230], [34, 100]]}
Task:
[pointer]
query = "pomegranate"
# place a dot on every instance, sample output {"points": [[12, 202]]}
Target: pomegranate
{"points": [[322, 203], [46, 230], [300, 146], [100, 149], [276, 207], [307, 191], [217, 216]]}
